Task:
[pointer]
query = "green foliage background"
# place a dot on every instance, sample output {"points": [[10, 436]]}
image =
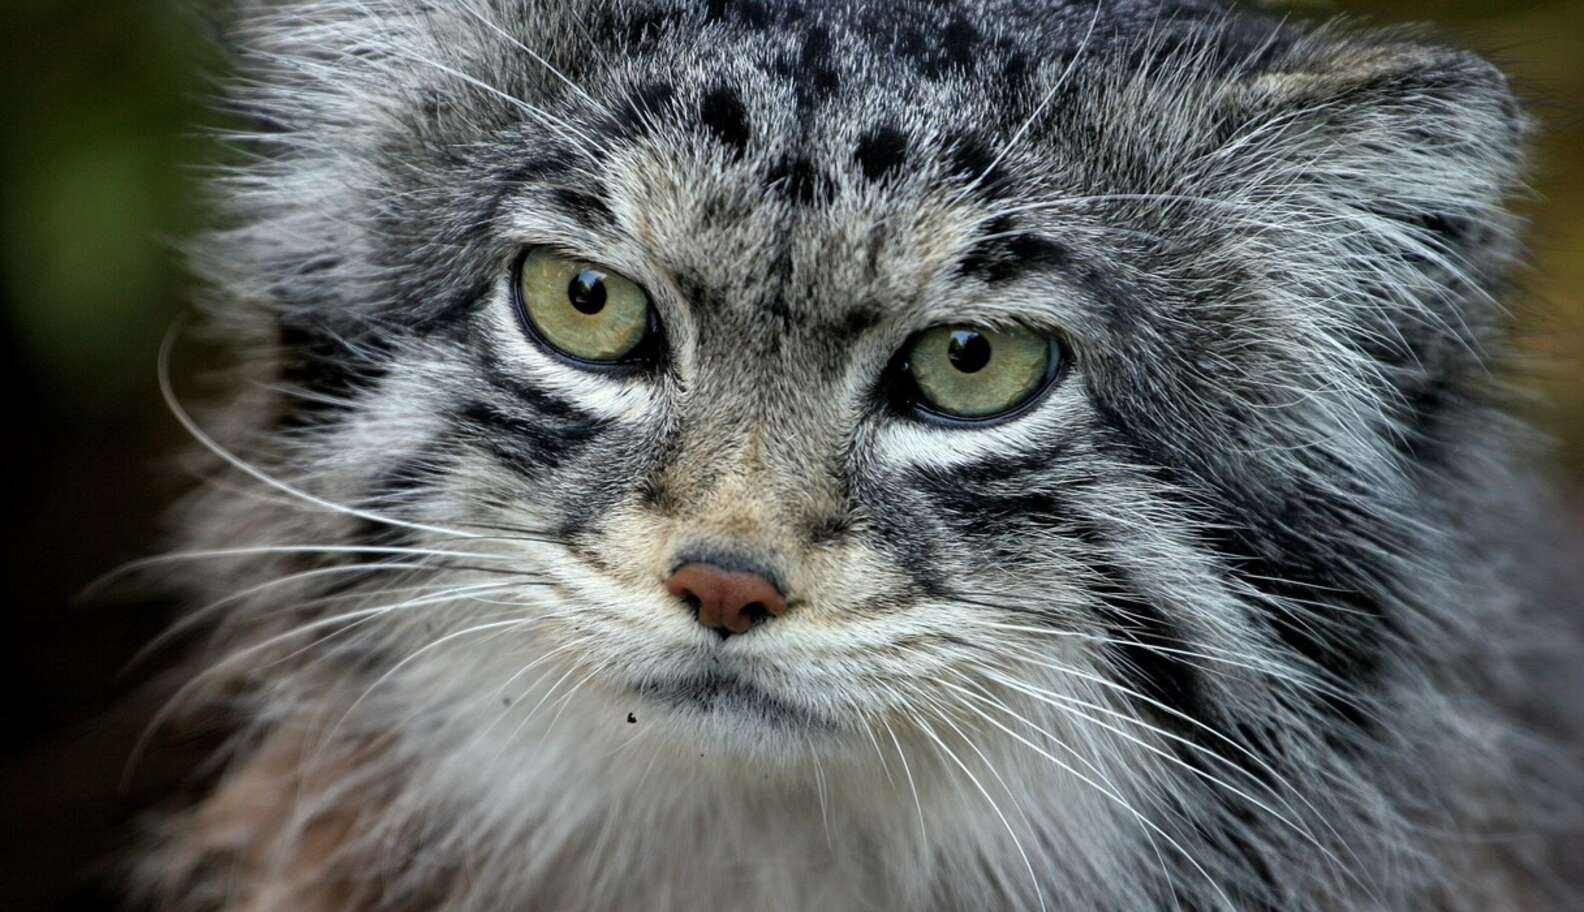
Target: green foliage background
{"points": [[102, 111]]}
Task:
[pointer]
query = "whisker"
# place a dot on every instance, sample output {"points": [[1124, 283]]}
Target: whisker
{"points": [[907, 771], [412, 657], [173, 404], [1241, 749], [1063, 704], [820, 791], [471, 10], [1113, 796], [199, 615], [203, 554], [174, 702], [1017, 137], [1017, 843]]}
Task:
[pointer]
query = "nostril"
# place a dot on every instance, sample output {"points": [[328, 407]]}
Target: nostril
{"points": [[726, 601]]}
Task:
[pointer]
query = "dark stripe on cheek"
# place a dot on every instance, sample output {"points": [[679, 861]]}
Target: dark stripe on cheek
{"points": [[527, 446], [541, 403], [1139, 632], [1329, 623], [997, 524], [1000, 494], [325, 374], [906, 529], [393, 493], [1299, 559]]}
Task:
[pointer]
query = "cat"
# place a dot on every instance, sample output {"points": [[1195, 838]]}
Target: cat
{"points": [[880, 454]]}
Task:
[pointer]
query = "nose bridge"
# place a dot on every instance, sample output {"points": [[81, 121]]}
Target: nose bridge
{"points": [[740, 486], [756, 456]]}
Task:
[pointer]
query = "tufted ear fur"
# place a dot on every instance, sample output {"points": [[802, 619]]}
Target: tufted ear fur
{"points": [[1407, 153]]}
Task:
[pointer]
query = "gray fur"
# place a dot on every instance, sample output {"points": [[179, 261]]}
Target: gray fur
{"points": [[1252, 612]]}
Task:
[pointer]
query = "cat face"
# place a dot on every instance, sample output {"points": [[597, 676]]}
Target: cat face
{"points": [[1068, 379], [784, 394]]}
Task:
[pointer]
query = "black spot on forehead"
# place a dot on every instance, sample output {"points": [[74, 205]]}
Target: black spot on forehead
{"points": [[722, 113], [818, 80], [800, 180], [881, 151], [859, 319], [1014, 70], [971, 160], [1005, 253], [960, 44], [927, 42]]}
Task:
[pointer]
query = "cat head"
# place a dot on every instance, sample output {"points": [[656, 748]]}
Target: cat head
{"points": [[1068, 371]]}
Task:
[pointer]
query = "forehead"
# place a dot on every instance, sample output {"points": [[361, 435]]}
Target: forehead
{"points": [[857, 145], [824, 156]]}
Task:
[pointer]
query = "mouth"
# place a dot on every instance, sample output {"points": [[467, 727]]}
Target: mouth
{"points": [[723, 693]]}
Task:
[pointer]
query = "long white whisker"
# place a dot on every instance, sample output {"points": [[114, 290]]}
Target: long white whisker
{"points": [[1113, 796], [168, 392], [907, 771], [1017, 843], [471, 10], [1017, 137]]}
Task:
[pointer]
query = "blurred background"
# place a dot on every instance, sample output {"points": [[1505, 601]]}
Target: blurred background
{"points": [[103, 115]]}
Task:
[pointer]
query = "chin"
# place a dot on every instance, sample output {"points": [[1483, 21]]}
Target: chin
{"points": [[717, 706]]}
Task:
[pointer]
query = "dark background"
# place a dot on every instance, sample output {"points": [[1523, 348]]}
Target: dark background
{"points": [[102, 112]]}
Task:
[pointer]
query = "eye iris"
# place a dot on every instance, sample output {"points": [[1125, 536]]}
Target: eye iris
{"points": [[587, 292], [978, 374], [580, 309], [968, 351]]}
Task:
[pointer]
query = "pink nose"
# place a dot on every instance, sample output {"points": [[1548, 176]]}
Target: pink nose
{"points": [[727, 601]]}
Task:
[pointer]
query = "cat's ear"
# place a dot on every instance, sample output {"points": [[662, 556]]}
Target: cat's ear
{"points": [[1411, 151]]}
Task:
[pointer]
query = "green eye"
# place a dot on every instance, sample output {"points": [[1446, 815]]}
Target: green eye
{"points": [[582, 310], [975, 374]]}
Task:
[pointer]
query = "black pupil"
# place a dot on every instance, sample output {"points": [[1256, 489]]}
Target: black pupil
{"points": [[587, 292], [969, 351]]}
